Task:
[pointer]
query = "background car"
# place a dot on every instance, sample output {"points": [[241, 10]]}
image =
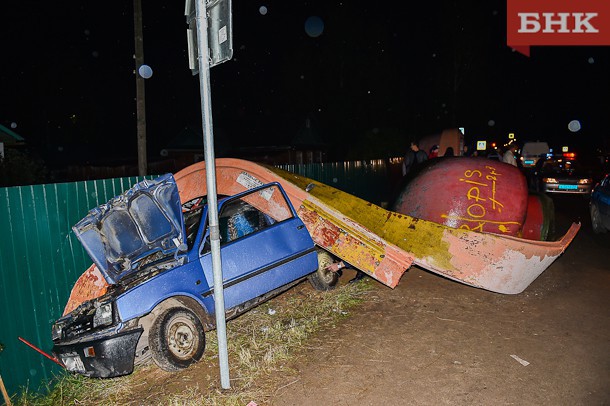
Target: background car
{"points": [[599, 206], [561, 175], [531, 152]]}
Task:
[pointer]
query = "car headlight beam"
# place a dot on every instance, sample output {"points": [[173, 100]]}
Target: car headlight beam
{"points": [[549, 180]]}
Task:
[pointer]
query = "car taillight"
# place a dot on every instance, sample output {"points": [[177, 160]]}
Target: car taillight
{"points": [[569, 155]]}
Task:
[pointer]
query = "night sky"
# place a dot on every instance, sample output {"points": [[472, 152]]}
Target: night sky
{"points": [[375, 78]]}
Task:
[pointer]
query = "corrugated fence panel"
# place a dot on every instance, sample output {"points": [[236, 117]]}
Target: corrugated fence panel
{"points": [[371, 180], [40, 259]]}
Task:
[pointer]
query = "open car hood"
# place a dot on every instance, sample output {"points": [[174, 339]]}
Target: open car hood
{"points": [[144, 220]]}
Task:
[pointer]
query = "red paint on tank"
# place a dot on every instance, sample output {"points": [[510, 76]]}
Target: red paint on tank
{"points": [[534, 219], [475, 194]]}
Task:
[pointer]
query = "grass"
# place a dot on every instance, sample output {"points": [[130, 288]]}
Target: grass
{"points": [[261, 345], [74, 389]]}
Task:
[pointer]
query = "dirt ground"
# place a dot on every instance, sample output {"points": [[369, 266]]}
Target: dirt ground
{"points": [[432, 341]]}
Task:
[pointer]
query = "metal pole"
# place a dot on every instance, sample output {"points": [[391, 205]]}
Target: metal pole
{"points": [[210, 170], [7, 398], [140, 104]]}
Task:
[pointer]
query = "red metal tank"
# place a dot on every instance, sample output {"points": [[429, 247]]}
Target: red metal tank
{"points": [[539, 222], [476, 194], [534, 218]]}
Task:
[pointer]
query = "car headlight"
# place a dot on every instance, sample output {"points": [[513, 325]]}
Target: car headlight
{"points": [[56, 331], [103, 315], [549, 180], [584, 181]]}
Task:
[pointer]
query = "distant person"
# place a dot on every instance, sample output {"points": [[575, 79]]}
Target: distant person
{"points": [[509, 155], [413, 157], [449, 152], [539, 163], [535, 177], [433, 152], [420, 156], [407, 162]]}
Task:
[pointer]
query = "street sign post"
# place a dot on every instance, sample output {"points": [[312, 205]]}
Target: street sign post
{"points": [[210, 40], [219, 33]]}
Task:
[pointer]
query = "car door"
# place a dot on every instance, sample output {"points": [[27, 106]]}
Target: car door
{"points": [[264, 245]]}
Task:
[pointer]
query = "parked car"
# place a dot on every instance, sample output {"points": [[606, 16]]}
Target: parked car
{"points": [[599, 206], [155, 254], [559, 175]]}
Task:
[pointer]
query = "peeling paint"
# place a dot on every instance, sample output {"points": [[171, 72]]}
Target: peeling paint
{"points": [[90, 284], [484, 260], [376, 241]]}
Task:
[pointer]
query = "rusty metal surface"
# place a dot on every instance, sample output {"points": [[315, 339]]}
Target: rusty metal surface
{"points": [[498, 263], [379, 242], [90, 284], [329, 227], [357, 246]]}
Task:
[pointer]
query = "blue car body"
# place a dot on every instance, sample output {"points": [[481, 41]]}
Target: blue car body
{"points": [[600, 206], [155, 254]]}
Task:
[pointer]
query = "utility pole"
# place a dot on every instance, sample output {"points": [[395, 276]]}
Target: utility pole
{"points": [[140, 98]]}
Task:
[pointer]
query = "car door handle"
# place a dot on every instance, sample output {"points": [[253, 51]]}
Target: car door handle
{"points": [[300, 227]]}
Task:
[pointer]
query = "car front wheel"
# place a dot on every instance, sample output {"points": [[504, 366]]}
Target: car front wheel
{"points": [[596, 220], [176, 339], [323, 278]]}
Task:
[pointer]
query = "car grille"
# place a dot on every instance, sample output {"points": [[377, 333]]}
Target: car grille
{"points": [[77, 329]]}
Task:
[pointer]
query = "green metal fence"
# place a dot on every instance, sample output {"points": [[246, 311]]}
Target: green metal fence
{"points": [[373, 180], [40, 258]]}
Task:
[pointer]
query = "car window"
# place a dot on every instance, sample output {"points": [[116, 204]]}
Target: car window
{"points": [[561, 166], [249, 214], [239, 219], [192, 211]]}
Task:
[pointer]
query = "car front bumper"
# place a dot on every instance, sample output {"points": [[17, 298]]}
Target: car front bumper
{"points": [[100, 357], [568, 189]]}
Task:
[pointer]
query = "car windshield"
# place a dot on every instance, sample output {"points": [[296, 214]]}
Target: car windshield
{"points": [[560, 166], [192, 211]]}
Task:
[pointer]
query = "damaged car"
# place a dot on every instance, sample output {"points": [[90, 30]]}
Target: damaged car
{"points": [[155, 256]]}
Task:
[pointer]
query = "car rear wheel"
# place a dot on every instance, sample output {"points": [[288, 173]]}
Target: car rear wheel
{"points": [[177, 339], [596, 220], [323, 278]]}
